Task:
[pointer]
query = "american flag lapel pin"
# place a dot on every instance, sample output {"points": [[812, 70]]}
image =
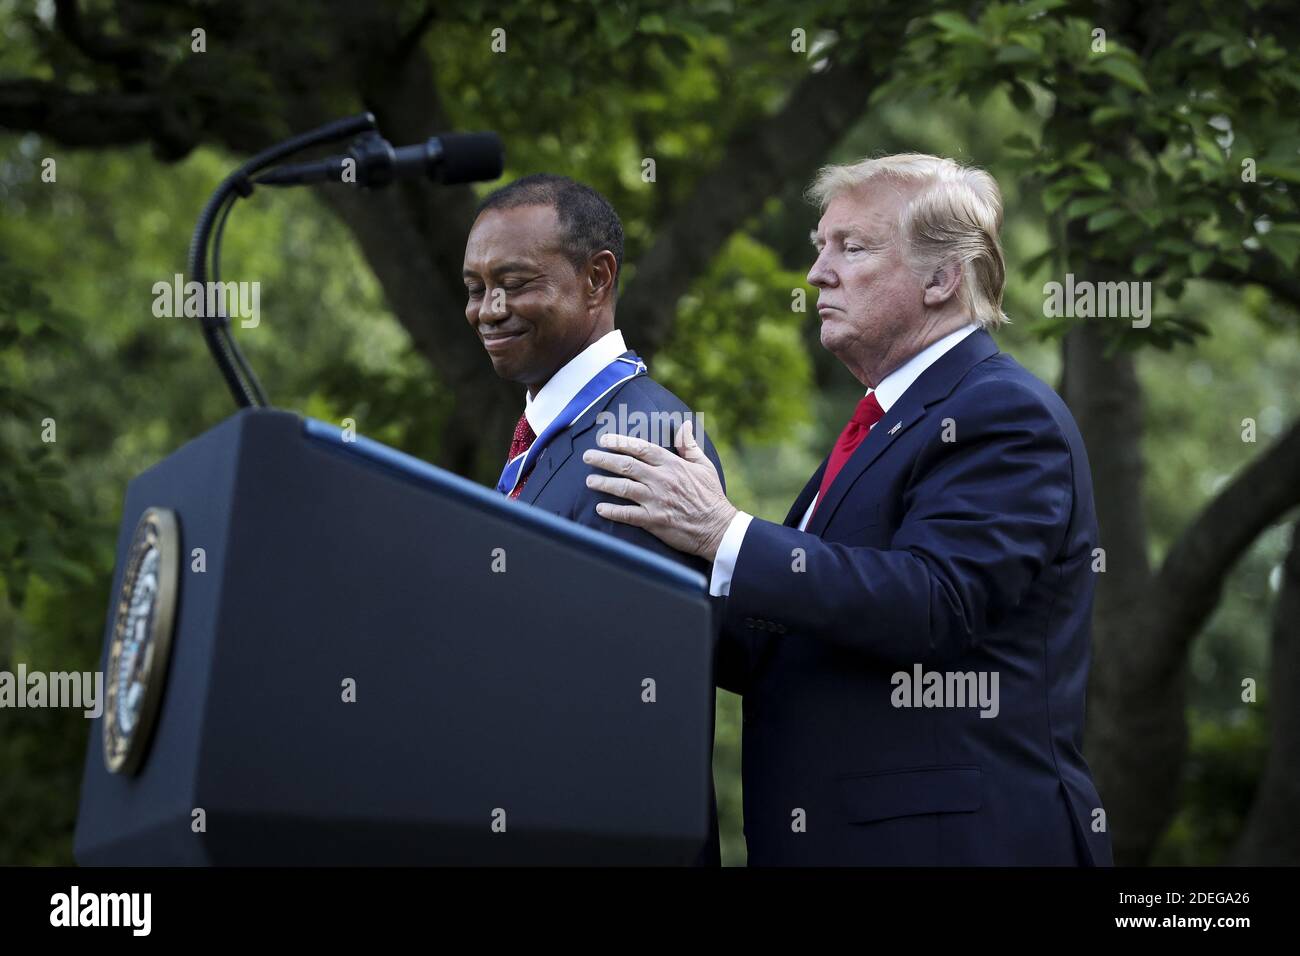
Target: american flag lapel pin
{"points": [[897, 426]]}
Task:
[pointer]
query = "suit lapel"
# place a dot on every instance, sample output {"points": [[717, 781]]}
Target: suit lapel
{"points": [[553, 457], [935, 383], [878, 439], [560, 449]]}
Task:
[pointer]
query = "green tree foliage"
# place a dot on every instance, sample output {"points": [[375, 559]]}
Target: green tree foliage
{"points": [[1170, 166], [1124, 161]]}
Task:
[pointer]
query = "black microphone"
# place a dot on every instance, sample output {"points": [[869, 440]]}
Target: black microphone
{"points": [[373, 162]]}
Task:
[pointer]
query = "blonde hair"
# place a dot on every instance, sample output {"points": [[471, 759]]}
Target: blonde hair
{"points": [[955, 214]]}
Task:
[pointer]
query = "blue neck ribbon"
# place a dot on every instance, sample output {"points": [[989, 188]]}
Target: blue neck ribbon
{"points": [[615, 373]]}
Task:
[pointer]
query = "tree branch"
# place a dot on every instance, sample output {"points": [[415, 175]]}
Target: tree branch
{"points": [[1189, 582], [411, 38], [759, 161], [88, 119], [1261, 272], [98, 47]]}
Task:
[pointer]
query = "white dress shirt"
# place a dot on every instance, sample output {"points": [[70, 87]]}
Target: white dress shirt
{"points": [[889, 391], [541, 409]]}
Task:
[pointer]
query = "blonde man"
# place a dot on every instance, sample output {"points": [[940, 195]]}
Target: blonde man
{"points": [[912, 642]]}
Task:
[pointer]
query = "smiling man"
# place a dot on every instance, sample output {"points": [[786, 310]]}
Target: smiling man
{"points": [[917, 630], [541, 274]]}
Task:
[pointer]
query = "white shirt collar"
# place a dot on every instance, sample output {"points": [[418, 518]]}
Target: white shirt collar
{"points": [[541, 409], [893, 385]]}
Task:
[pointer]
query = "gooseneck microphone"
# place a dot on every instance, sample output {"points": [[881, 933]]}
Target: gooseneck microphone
{"points": [[373, 162]]}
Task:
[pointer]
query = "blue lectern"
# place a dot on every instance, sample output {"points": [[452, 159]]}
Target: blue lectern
{"points": [[323, 651]]}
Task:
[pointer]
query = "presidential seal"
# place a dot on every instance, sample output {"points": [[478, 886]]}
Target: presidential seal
{"points": [[141, 641]]}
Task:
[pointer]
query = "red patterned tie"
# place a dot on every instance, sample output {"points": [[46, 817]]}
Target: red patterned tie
{"points": [[523, 440], [865, 415]]}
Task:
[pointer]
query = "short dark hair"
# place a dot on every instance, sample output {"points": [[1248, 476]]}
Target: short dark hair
{"points": [[588, 223]]}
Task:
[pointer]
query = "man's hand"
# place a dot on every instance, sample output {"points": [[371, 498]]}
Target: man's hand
{"points": [[677, 498]]}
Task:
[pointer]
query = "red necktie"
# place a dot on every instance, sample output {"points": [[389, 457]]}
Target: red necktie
{"points": [[865, 415], [523, 440]]}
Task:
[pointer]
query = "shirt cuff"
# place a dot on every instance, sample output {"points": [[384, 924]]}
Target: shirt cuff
{"points": [[724, 563]]}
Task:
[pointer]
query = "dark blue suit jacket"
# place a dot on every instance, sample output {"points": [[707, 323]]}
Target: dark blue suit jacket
{"points": [[966, 555], [558, 484]]}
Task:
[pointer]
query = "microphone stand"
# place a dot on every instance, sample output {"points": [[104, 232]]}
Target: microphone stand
{"points": [[234, 368]]}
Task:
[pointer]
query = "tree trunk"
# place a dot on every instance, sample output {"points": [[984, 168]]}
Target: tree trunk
{"points": [[1271, 837], [1136, 736]]}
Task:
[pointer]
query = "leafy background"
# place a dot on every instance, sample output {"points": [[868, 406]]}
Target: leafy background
{"points": [[1123, 164]]}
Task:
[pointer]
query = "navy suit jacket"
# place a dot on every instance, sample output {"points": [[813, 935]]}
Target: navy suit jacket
{"points": [[558, 484], [959, 536]]}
